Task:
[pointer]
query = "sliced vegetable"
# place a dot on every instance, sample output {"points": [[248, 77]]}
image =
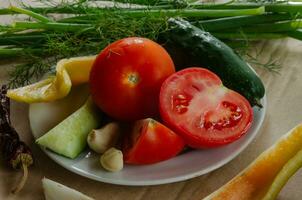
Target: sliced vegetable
{"points": [[100, 140], [202, 49], [126, 77], [195, 104], [69, 137], [44, 116], [112, 160], [73, 71], [264, 178], [57, 191], [150, 142], [288, 170]]}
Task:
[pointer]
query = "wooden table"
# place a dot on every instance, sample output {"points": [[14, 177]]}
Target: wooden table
{"points": [[284, 111]]}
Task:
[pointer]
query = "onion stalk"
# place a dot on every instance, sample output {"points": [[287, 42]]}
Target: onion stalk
{"points": [[86, 29]]}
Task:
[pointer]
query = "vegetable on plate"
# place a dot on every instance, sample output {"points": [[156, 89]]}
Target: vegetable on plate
{"points": [[196, 105], [69, 72], [100, 140], [126, 81], [150, 142], [202, 49], [126, 77], [69, 138], [112, 160]]}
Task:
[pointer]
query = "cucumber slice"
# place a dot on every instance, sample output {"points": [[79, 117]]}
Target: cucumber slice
{"points": [[57, 191], [68, 138]]}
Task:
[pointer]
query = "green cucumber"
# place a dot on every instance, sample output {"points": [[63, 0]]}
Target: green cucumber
{"points": [[202, 49], [69, 137]]}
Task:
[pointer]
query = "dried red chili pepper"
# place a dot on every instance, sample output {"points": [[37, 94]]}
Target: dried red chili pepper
{"points": [[15, 152]]}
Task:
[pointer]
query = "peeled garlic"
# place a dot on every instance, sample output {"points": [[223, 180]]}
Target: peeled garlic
{"points": [[102, 139], [112, 160]]}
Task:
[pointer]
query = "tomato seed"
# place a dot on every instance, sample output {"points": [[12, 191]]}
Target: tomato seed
{"points": [[231, 121], [180, 103], [181, 96], [181, 109]]}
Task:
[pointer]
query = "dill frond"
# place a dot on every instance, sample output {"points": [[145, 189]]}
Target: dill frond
{"points": [[84, 28], [24, 74], [271, 64], [107, 27]]}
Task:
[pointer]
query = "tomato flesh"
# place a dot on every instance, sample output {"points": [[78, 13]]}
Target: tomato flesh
{"points": [[195, 104], [126, 77], [150, 142]]}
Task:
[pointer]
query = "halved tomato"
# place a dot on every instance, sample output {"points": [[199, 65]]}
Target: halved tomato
{"points": [[195, 104], [150, 142]]}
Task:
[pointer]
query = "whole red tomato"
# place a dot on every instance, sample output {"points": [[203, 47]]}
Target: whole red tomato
{"points": [[126, 78], [150, 142]]}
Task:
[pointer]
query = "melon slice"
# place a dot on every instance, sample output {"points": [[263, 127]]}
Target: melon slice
{"points": [[266, 176], [69, 137], [57, 191]]}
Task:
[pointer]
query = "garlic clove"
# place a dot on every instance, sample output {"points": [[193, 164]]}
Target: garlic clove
{"points": [[112, 160], [104, 138]]}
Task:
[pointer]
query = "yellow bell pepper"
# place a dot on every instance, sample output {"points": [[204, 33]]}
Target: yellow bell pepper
{"points": [[265, 177], [73, 71]]}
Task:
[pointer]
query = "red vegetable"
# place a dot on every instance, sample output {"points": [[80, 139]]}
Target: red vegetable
{"points": [[195, 104], [126, 77], [150, 142]]}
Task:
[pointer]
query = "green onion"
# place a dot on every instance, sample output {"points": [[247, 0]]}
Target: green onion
{"points": [[296, 34], [84, 29], [239, 21], [205, 13], [155, 12], [274, 27], [32, 14], [249, 36], [290, 7], [24, 39], [15, 52], [61, 27]]}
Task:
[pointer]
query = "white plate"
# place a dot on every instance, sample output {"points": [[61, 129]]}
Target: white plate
{"points": [[44, 116]]}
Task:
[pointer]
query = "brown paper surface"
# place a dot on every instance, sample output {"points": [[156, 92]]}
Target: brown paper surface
{"points": [[284, 111]]}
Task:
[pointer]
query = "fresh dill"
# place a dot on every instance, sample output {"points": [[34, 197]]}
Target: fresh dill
{"points": [[29, 72], [271, 64], [65, 30]]}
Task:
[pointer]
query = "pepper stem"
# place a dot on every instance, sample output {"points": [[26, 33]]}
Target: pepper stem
{"points": [[23, 180]]}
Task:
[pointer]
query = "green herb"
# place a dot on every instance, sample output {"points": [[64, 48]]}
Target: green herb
{"points": [[84, 29]]}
